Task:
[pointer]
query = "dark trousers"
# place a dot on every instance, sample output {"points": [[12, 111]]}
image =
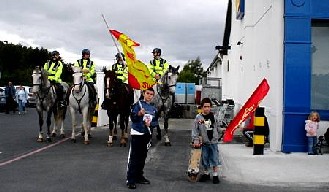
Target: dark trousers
{"points": [[10, 104], [92, 91], [137, 156]]}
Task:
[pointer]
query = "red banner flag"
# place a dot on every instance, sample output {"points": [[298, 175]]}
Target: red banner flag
{"points": [[138, 74], [248, 108]]}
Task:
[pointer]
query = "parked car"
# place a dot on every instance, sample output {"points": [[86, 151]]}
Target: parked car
{"points": [[31, 97], [2, 99]]}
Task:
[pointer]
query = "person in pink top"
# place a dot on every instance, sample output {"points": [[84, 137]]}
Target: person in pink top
{"points": [[311, 127]]}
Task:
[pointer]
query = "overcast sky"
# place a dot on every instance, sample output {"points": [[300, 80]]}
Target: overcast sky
{"points": [[183, 29]]}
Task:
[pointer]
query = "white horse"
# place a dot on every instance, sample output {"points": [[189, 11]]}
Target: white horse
{"points": [[163, 99], [79, 102], [46, 101]]}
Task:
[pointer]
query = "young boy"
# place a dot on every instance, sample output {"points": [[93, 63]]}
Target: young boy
{"points": [[141, 116], [206, 127]]}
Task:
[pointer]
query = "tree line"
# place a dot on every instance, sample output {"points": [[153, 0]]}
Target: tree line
{"points": [[17, 63]]}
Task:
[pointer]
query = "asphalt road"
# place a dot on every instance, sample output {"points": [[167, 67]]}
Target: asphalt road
{"points": [[26, 165]]}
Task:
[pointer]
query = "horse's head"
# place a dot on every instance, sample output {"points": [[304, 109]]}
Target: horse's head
{"points": [[39, 79], [169, 79], [77, 78], [110, 80]]}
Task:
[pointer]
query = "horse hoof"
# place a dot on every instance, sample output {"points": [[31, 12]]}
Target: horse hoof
{"points": [[86, 142], [62, 136], [53, 134], [73, 140], [40, 140], [109, 144]]}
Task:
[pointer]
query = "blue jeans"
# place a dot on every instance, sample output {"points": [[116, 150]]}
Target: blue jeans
{"points": [[312, 140], [21, 106], [210, 155]]}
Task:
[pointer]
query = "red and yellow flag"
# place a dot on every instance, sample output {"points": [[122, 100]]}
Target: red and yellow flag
{"points": [[138, 74], [248, 108]]}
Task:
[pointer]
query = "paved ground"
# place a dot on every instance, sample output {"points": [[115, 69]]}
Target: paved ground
{"points": [[26, 165]]}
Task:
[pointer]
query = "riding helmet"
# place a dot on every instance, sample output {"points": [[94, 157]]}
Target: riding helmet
{"points": [[157, 50], [54, 53], [117, 56], [85, 52]]}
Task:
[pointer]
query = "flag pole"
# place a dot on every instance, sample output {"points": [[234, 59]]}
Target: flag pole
{"points": [[114, 41]]}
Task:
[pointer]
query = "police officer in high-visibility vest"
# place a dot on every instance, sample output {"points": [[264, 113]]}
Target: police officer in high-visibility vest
{"points": [[54, 67], [158, 66], [120, 68], [88, 72]]}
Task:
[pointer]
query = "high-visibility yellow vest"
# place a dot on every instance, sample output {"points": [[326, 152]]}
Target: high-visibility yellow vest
{"points": [[121, 71], [54, 69], [87, 64], [158, 66]]}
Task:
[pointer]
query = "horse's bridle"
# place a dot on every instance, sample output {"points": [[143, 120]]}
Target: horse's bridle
{"points": [[47, 89]]}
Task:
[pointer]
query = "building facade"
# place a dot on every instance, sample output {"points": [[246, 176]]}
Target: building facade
{"points": [[286, 42]]}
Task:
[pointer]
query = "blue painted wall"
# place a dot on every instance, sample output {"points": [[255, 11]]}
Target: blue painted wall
{"points": [[298, 15]]}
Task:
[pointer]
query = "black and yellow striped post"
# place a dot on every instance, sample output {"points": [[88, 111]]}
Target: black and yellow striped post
{"points": [[95, 116], [259, 131]]}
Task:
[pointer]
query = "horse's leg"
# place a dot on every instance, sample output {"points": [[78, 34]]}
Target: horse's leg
{"points": [[40, 137], [110, 140], [62, 118], [122, 127], [165, 125], [115, 128], [49, 113], [86, 124], [53, 133], [74, 124]]}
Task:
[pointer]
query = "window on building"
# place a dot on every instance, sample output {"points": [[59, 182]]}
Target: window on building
{"points": [[320, 65]]}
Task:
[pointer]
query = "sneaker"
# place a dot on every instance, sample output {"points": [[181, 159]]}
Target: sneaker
{"points": [[215, 180], [131, 185], [204, 178], [143, 181]]}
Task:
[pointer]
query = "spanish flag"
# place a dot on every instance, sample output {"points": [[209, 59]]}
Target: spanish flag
{"points": [[248, 108], [138, 74]]}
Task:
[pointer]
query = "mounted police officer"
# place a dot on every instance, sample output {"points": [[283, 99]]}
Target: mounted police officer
{"points": [[158, 66], [88, 72], [54, 67], [121, 70]]}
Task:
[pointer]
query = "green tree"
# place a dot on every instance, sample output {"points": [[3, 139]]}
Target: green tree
{"points": [[192, 72]]}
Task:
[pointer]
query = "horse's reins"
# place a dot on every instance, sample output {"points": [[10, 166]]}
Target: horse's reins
{"points": [[44, 95], [79, 100]]}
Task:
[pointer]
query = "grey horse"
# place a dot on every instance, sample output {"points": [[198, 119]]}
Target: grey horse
{"points": [[163, 99], [46, 102]]}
